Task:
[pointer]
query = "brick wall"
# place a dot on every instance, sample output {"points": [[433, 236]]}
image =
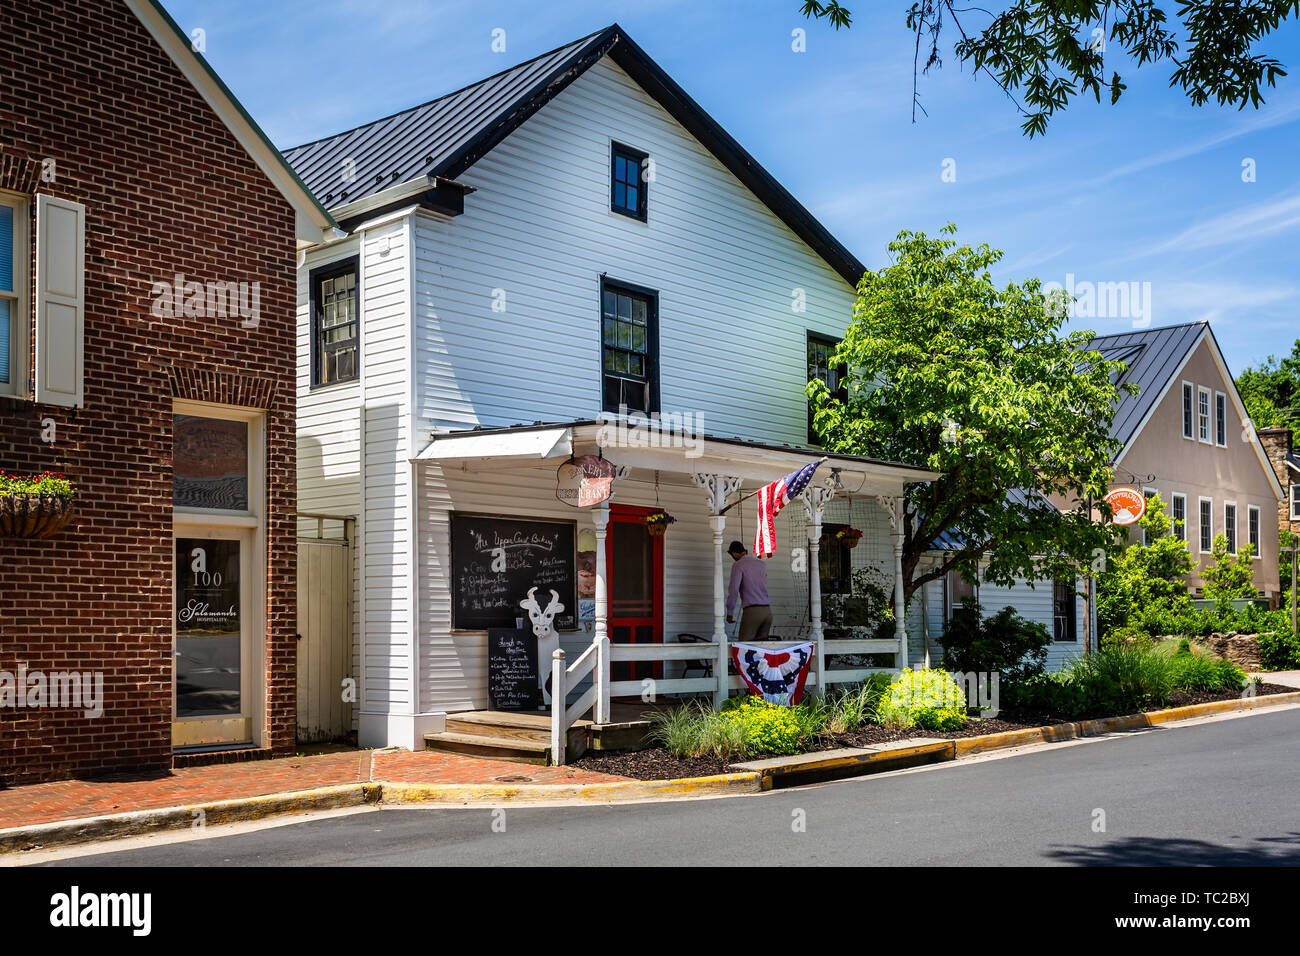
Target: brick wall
{"points": [[167, 190]]}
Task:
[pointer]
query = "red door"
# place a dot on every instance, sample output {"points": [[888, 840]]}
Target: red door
{"points": [[634, 568]]}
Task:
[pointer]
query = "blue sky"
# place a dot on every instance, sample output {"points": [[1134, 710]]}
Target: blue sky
{"points": [[1150, 191]]}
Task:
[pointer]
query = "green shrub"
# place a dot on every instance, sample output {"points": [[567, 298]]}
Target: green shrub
{"points": [[1005, 643], [1279, 650], [1123, 680], [928, 699], [1126, 636], [764, 727], [1055, 693]]}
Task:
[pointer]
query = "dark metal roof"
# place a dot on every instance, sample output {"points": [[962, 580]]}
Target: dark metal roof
{"points": [[446, 136], [1152, 357]]}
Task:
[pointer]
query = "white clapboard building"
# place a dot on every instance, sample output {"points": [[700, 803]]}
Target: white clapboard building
{"points": [[524, 258]]}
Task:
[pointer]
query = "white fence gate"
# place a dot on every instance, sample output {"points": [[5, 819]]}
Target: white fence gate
{"points": [[324, 637]]}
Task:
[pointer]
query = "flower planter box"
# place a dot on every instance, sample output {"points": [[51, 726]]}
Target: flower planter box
{"points": [[33, 515]]}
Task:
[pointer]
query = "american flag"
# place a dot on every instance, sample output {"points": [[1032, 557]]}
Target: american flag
{"points": [[771, 499]]}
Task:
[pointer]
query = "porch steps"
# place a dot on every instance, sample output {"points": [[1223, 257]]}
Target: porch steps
{"points": [[521, 737]]}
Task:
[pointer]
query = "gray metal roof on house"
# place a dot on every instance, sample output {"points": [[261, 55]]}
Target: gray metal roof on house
{"points": [[422, 140], [446, 136], [1152, 357]]}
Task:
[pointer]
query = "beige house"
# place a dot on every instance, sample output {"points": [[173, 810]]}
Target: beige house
{"points": [[1186, 436]]}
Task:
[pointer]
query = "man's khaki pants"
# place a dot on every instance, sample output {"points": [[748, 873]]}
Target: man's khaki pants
{"points": [[755, 622]]}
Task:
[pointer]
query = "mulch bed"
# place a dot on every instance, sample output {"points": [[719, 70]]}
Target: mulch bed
{"points": [[656, 763]]}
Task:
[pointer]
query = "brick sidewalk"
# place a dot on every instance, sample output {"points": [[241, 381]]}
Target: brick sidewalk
{"points": [[77, 799]]}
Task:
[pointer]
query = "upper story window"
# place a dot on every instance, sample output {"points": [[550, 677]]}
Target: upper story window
{"points": [[1295, 501], [821, 369], [1188, 425], [15, 251], [1221, 419], [1203, 414], [334, 323], [629, 319], [628, 189]]}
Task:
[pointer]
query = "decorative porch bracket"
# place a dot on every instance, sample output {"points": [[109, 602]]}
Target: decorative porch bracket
{"points": [[894, 507], [719, 488], [814, 504]]}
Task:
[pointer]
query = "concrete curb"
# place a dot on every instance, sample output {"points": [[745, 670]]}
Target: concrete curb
{"points": [[849, 762], [826, 765], [141, 822]]}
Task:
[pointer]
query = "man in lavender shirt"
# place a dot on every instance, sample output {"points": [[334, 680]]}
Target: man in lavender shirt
{"points": [[749, 589]]}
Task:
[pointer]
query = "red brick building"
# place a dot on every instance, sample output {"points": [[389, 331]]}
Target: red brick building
{"points": [[148, 234]]}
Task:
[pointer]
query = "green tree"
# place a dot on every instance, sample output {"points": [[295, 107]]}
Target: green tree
{"points": [[1271, 391], [1230, 576], [948, 371], [1145, 584], [1043, 53]]}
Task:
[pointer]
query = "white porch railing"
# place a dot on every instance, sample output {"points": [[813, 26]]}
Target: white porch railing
{"points": [[594, 660]]}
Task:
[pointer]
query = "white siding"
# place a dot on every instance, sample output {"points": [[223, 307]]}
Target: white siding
{"points": [[539, 229], [1033, 603], [386, 523]]}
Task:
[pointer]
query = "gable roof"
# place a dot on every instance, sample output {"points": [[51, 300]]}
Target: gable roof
{"points": [[1155, 358], [444, 137], [1152, 357], [312, 223]]}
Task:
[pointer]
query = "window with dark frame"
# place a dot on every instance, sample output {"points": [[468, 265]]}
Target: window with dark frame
{"points": [[1207, 525], [1180, 516], [820, 350], [1220, 419], [1065, 617], [629, 348], [628, 190], [1148, 537], [1252, 529], [335, 323], [1230, 527], [1189, 430], [835, 561]]}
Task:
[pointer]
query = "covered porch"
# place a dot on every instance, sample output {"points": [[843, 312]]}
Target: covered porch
{"points": [[703, 481]]}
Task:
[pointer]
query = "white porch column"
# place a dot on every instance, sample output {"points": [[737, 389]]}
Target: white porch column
{"points": [[600, 518], [814, 503], [719, 488], [900, 609], [718, 523]]}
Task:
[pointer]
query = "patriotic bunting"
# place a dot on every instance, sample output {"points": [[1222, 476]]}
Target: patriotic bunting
{"points": [[776, 676]]}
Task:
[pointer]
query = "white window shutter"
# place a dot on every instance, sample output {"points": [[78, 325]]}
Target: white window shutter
{"points": [[60, 300]]}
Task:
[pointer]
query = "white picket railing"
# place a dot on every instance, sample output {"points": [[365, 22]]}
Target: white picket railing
{"points": [[594, 660]]}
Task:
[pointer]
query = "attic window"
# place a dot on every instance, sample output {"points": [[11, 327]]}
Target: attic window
{"points": [[628, 189]]}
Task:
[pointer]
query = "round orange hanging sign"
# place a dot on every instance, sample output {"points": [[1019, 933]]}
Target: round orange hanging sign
{"points": [[1127, 505]]}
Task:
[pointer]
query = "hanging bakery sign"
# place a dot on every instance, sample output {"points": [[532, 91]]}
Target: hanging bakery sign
{"points": [[1127, 505], [584, 481]]}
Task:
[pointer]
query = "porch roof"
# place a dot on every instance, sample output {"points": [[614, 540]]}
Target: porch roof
{"points": [[637, 445]]}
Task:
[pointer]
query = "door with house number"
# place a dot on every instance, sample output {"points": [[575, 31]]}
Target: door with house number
{"points": [[218, 574], [635, 571]]}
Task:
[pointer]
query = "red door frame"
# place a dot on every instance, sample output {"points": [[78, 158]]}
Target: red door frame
{"points": [[633, 514]]}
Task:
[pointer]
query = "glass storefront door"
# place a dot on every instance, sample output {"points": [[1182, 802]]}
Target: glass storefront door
{"points": [[219, 574]]}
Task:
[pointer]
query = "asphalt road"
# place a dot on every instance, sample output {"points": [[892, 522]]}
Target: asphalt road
{"points": [[1214, 793]]}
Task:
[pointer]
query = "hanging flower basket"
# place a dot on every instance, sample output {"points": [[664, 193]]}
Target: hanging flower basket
{"points": [[658, 523], [849, 537], [34, 507]]}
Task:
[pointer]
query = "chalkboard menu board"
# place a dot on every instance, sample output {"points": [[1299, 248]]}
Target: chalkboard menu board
{"points": [[495, 561], [512, 669]]}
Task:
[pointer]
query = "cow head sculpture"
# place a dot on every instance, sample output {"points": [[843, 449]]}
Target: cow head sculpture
{"points": [[541, 619]]}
